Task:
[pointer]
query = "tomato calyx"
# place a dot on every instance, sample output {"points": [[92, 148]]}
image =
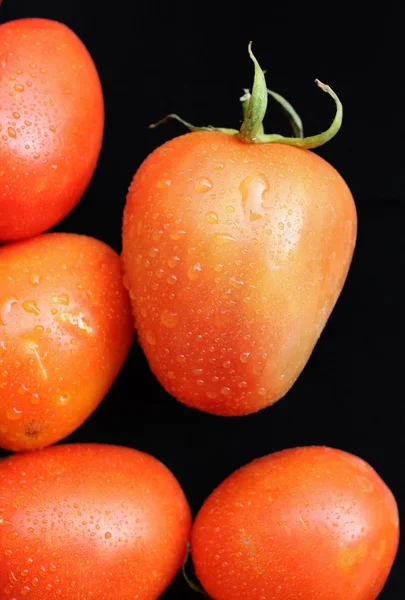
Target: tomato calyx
{"points": [[254, 106]]}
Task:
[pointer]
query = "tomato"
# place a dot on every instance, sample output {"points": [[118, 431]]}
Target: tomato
{"points": [[51, 124], [65, 332], [89, 521], [312, 523], [235, 255]]}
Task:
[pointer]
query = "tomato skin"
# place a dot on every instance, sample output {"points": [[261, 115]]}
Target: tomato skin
{"points": [[312, 523], [52, 122], [234, 255], [65, 332], [90, 521]]}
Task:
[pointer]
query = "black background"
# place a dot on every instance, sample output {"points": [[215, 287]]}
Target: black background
{"points": [[154, 58]]}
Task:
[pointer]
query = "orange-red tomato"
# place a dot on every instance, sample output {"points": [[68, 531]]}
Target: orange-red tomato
{"points": [[89, 521], [51, 125], [312, 523], [65, 331], [235, 255]]}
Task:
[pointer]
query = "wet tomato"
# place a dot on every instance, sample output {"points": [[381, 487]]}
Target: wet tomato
{"points": [[51, 124], [65, 331], [89, 521], [235, 251], [312, 523]]}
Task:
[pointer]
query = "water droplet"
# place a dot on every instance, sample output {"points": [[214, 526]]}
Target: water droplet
{"points": [[172, 279], [211, 395], [211, 217], [202, 185], [173, 261], [262, 391], [163, 183], [61, 299], [150, 338], [108, 535], [254, 189], [19, 87], [244, 357], [38, 329], [16, 115], [177, 235], [281, 225], [63, 398], [226, 391], [181, 359], [35, 399], [226, 364], [22, 390], [224, 238], [13, 535], [153, 252], [12, 132], [236, 283], [5, 309], [194, 271], [14, 414], [169, 319], [35, 278]]}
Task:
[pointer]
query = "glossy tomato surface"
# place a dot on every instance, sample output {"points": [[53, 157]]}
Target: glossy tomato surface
{"points": [[51, 124], [65, 332], [235, 255], [79, 522], [312, 523]]}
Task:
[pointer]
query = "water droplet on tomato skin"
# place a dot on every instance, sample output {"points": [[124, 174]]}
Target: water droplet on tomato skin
{"points": [[194, 271], [14, 414], [224, 238], [163, 183], [177, 235], [253, 191], [203, 185], [34, 279], [211, 217], [169, 319], [244, 357], [61, 299]]}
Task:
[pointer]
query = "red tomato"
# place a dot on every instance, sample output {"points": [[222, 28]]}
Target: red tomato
{"points": [[51, 124], [65, 331], [235, 255], [311, 523], [89, 521]]}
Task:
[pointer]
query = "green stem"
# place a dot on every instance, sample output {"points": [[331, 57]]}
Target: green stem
{"points": [[253, 122], [192, 127], [254, 107], [313, 141]]}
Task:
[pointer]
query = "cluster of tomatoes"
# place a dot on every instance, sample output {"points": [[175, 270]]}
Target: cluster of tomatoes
{"points": [[236, 246]]}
